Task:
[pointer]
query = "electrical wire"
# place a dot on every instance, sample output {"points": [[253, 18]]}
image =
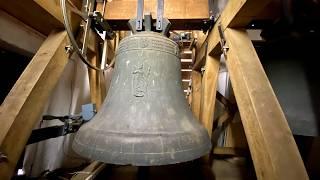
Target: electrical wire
{"points": [[72, 39]]}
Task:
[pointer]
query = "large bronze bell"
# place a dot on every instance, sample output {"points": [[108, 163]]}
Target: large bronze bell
{"points": [[145, 119]]}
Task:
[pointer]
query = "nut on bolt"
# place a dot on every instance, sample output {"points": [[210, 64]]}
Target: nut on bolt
{"points": [[3, 157], [203, 69], [68, 49]]}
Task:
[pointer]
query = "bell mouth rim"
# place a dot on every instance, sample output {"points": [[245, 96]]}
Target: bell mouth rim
{"points": [[142, 151], [144, 158], [137, 134]]}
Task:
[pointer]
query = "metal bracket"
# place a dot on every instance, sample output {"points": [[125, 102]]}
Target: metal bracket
{"points": [[223, 41], [211, 8], [3, 157], [101, 26], [139, 19], [147, 22], [69, 49], [166, 26], [71, 123], [209, 23], [203, 69], [162, 25], [159, 25]]}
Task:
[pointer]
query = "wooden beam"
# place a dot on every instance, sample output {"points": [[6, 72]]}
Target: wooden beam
{"points": [[241, 13], [200, 57], [236, 14], [186, 74], [209, 88], [196, 93], [200, 49], [185, 56], [18, 37], [42, 15], [173, 9], [53, 7], [230, 151], [270, 140], [185, 85], [186, 65], [183, 14], [234, 134], [91, 170], [33, 15], [23, 106], [213, 48]]}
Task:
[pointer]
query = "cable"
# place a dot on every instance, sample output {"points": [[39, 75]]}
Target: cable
{"points": [[72, 39]]}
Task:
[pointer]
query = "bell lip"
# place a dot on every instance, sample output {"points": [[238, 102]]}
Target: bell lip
{"points": [[142, 159], [117, 149]]}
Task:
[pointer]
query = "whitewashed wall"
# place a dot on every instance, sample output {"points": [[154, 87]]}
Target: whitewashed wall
{"points": [[70, 93]]}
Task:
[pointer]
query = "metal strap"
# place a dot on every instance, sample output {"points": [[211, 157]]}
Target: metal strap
{"points": [[139, 20], [223, 40], [41, 134], [211, 8], [159, 25]]}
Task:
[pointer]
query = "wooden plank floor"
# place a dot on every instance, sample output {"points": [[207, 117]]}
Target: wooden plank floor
{"points": [[222, 169]]}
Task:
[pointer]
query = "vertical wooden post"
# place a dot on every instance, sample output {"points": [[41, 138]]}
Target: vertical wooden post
{"points": [[209, 88], [23, 106], [97, 87], [273, 149], [196, 93]]}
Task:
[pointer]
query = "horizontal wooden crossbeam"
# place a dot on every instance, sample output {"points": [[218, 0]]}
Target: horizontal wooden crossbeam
{"points": [[173, 9], [17, 36], [237, 14], [32, 14], [183, 14]]}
